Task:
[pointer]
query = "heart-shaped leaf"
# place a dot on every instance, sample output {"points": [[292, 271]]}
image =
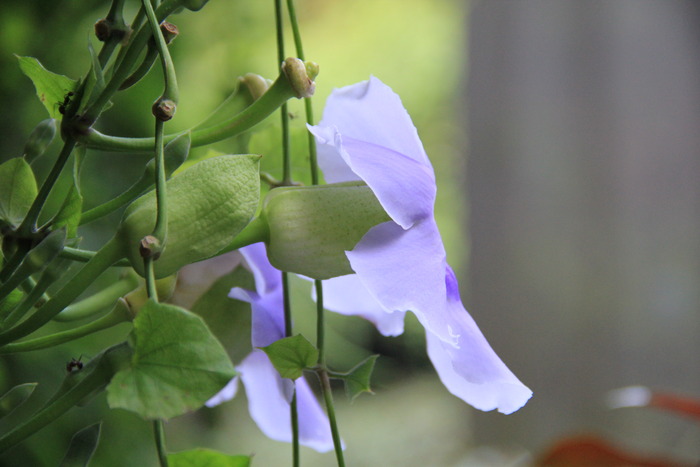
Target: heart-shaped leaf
{"points": [[15, 397], [177, 364], [51, 88], [292, 355], [82, 447]]}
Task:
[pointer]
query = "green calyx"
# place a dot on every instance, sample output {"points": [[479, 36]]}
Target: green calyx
{"points": [[311, 228], [208, 204]]}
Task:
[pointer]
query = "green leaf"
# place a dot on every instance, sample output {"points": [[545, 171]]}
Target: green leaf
{"points": [[10, 302], [208, 204], [206, 458], [177, 364], [82, 446], [51, 88], [292, 355], [17, 190], [357, 379], [15, 397]]}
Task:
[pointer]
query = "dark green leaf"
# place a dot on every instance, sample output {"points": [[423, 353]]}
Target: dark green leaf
{"points": [[206, 458], [10, 302], [17, 190], [177, 364], [176, 152], [82, 447], [15, 397], [357, 379], [292, 355], [51, 88]]}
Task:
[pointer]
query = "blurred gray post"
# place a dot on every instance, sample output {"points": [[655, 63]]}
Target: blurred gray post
{"points": [[584, 184]]}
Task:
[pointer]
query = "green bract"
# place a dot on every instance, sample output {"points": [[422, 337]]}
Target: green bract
{"points": [[208, 204], [310, 228]]}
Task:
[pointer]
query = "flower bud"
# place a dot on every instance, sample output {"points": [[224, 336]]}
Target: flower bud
{"points": [[169, 31], [103, 30], [164, 109], [311, 228], [194, 5], [299, 77], [256, 84], [39, 140]]}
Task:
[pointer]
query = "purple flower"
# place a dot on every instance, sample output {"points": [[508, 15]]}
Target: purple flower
{"points": [[269, 394], [400, 265]]}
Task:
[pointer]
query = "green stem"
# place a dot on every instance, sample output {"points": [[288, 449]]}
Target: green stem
{"points": [[28, 225], [295, 430], [330, 409], [128, 61], [100, 300], [49, 277], [15, 260], [102, 260], [151, 289], [171, 90], [160, 231], [84, 256], [276, 95], [112, 205], [320, 324], [79, 385], [159, 435], [117, 316]]}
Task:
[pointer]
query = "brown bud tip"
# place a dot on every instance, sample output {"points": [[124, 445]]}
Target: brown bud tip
{"points": [[164, 109], [103, 30], [298, 77], [169, 31], [149, 247]]}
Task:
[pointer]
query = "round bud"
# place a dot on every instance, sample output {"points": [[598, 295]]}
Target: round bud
{"points": [[296, 72], [103, 30], [164, 109]]}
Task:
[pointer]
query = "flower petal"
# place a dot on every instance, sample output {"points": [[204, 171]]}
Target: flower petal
{"points": [[269, 406], [471, 370], [405, 270], [347, 295], [267, 319], [227, 393], [405, 188], [370, 111]]}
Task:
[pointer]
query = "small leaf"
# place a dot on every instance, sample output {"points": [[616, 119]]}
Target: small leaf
{"points": [[17, 190], [357, 379], [292, 355], [15, 397], [82, 447], [176, 152], [177, 364], [10, 302], [206, 458], [51, 88], [39, 139]]}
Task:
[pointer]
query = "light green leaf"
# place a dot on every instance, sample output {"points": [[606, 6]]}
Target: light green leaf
{"points": [[206, 458], [51, 88], [208, 204], [177, 364], [15, 397], [82, 447], [17, 190], [357, 379], [292, 355]]}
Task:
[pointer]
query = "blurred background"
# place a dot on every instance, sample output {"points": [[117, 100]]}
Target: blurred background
{"points": [[564, 138]]}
